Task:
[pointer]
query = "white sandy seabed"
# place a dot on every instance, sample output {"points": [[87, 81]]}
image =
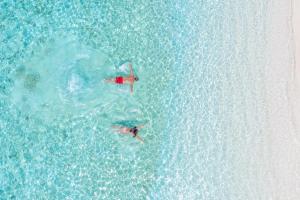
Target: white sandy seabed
{"points": [[280, 153]]}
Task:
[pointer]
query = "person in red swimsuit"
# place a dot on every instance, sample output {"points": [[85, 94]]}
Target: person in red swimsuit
{"points": [[124, 80]]}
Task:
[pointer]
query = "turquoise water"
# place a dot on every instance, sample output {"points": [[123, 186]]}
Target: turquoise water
{"points": [[198, 64]]}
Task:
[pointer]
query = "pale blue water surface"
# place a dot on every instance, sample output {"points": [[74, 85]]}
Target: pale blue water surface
{"points": [[198, 64]]}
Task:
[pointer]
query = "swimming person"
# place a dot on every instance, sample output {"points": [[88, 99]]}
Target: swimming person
{"points": [[132, 131], [124, 80]]}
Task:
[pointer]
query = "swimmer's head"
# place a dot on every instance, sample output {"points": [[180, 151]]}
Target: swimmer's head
{"points": [[134, 131], [136, 78]]}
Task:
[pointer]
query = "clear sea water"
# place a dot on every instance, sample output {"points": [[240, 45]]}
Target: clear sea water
{"points": [[200, 95]]}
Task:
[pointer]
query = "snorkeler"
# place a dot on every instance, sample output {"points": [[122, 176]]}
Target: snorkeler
{"points": [[132, 131], [124, 80]]}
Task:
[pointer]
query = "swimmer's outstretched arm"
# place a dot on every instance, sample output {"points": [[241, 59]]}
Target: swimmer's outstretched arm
{"points": [[131, 70], [141, 126], [139, 138], [131, 88]]}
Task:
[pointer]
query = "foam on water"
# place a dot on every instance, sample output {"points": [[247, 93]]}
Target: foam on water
{"points": [[64, 77]]}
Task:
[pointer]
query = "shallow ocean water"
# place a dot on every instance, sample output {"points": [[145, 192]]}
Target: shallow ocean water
{"points": [[196, 69]]}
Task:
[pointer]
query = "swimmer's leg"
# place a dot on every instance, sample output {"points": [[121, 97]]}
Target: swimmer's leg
{"points": [[120, 129], [110, 80], [116, 127]]}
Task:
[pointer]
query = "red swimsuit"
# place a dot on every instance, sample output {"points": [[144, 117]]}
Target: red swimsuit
{"points": [[119, 80]]}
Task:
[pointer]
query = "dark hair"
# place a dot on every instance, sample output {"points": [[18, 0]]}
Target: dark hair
{"points": [[134, 131], [136, 78]]}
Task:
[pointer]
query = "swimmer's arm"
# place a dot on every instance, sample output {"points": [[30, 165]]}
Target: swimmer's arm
{"points": [[140, 139], [131, 88], [140, 126], [131, 70]]}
